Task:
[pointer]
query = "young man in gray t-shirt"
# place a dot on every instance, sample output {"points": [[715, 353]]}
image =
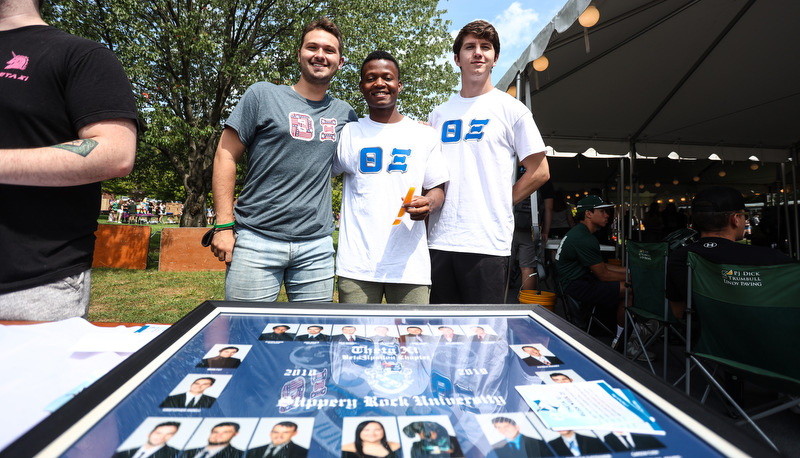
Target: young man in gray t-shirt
{"points": [[283, 217]]}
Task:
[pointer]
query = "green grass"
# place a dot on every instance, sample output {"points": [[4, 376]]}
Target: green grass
{"points": [[123, 295]]}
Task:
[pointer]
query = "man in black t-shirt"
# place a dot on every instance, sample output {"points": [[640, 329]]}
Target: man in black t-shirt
{"points": [[68, 120], [719, 215]]}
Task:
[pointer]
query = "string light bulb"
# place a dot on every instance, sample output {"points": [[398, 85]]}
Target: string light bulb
{"points": [[541, 64], [589, 17]]}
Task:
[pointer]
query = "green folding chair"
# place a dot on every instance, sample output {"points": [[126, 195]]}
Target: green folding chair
{"points": [[749, 318], [647, 267]]}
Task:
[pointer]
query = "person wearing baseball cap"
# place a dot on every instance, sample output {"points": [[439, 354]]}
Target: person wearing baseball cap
{"points": [[582, 273], [718, 214]]}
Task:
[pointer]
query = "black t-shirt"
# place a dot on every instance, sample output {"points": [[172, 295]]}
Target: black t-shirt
{"points": [[52, 85], [720, 251]]}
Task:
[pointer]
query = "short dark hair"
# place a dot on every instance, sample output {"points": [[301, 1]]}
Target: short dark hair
{"points": [[286, 424], [481, 29], [327, 25], [167, 423], [314, 326], [379, 55], [497, 420], [556, 374], [281, 326], [227, 423], [206, 378], [229, 348], [528, 346]]}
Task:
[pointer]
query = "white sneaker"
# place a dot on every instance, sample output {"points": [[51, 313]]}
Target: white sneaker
{"points": [[633, 349]]}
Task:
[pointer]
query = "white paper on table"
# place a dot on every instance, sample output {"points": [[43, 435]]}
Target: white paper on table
{"points": [[44, 365], [585, 405]]}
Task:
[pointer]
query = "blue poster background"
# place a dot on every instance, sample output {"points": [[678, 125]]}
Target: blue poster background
{"points": [[461, 386]]}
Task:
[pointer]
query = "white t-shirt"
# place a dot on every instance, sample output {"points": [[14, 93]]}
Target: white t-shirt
{"points": [[480, 137], [380, 163]]}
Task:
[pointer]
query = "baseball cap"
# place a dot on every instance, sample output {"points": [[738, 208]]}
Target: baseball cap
{"points": [[718, 199], [592, 202]]}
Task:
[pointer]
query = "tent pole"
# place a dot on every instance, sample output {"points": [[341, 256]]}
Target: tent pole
{"points": [[621, 240], [630, 181], [786, 207], [794, 198]]}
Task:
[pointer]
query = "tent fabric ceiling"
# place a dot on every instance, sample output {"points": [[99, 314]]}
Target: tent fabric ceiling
{"points": [[691, 76]]}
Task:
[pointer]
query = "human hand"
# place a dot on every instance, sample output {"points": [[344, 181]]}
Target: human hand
{"points": [[222, 245], [419, 208]]}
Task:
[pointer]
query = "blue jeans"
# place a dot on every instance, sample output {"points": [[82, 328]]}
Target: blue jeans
{"points": [[261, 264]]}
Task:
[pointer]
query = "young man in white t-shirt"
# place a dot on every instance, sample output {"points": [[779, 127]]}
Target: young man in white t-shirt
{"points": [[382, 156], [483, 131]]}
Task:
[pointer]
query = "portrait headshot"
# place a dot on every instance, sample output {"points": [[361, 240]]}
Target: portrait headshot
{"points": [[220, 438], [560, 376], [281, 438], [482, 333], [196, 391], [278, 332], [158, 437], [349, 333], [450, 334], [428, 436], [512, 436], [536, 355], [370, 437], [384, 333], [314, 333], [224, 356], [417, 334]]}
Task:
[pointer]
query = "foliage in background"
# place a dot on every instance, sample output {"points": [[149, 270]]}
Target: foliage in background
{"points": [[189, 62]]}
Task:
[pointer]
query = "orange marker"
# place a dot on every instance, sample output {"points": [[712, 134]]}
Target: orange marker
{"points": [[403, 207]]}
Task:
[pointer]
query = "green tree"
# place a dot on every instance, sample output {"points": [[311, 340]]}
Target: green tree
{"points": [[190, 61]]}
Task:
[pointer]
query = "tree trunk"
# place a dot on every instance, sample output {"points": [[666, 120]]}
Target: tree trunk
{"points": [[197, 185]]}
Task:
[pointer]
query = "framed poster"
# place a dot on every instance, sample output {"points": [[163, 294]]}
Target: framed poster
{"points": [[254, 380]]}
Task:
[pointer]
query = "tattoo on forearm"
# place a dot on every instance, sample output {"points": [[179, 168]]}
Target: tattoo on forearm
{"points": [[82, 147]]}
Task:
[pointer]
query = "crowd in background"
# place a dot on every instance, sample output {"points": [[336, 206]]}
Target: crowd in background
{"points": [[146, 211]]}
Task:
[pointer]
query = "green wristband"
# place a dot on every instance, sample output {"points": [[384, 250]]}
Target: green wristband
{"points": [[220, 226]]}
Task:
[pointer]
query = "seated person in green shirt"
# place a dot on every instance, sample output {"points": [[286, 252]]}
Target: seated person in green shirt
{"points": [[581, 271]]}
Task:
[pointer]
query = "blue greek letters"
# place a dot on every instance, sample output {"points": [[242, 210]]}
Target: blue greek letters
{"points": [[371, 160], [451, 130]]}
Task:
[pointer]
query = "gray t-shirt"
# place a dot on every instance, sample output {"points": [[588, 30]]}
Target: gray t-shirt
{"points": [[290, 145]]}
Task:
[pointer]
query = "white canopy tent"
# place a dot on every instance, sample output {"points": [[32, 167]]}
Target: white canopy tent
{"points": [[689, 79]]}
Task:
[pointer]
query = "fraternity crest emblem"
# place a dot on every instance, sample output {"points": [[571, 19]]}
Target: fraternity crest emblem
{"points": [[388, 375], [301, 126]]}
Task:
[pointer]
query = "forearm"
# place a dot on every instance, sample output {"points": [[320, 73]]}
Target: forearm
{"points": [[537, 172], [435, 197], [608, 272], [548, 217], [223, 179], [104, 150]]}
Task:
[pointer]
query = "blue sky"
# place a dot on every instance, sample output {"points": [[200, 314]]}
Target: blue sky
{"points": [[517, 22]]}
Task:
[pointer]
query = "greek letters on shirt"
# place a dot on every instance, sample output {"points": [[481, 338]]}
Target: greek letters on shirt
{"points": [[301, 127], [371, 160], [452, 130]]}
